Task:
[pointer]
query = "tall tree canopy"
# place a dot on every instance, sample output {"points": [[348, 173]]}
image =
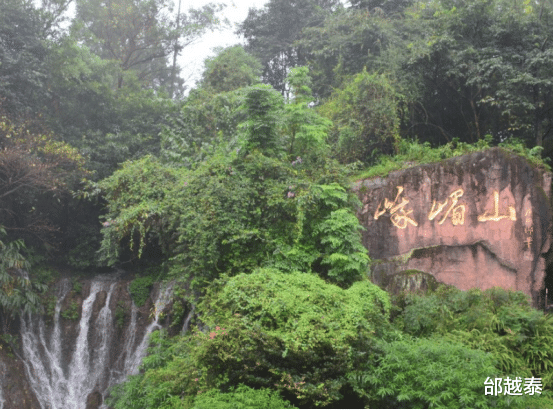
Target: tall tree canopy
{"points": [[22, 58], [465, 69], [271, 31], [141, 34]]}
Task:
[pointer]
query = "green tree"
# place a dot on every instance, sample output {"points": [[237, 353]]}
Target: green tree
{"points": [[264, 108], [271, 31], [36, 170], [465, 69], [17, 293], [365, 114], [210, 114], [22, 59], [140, 35], [106, 124], [305, 128], [387, 7], [345, 43], [54, 15], [479, 67], [205, 120], [232, 68]]}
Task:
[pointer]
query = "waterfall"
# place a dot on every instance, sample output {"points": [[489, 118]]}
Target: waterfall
{"points": [[2, 401], [130, 359], [134, 360], [187, 321], [64, 370], [44, 371]]}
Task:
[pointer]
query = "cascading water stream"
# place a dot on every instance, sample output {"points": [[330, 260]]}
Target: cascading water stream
{"points": [[2, 401], [133, 361], [43, 361], [187, 321], [66, 382], [130, 359]]}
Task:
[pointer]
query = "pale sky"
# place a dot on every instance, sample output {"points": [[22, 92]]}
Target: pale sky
{"points": [[192, 58]]}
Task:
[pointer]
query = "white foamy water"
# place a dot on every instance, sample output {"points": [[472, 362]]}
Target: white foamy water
{"points": [[66, 382]]}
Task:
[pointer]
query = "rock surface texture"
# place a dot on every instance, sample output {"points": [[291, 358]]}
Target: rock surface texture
{"points": [[475, 221]]}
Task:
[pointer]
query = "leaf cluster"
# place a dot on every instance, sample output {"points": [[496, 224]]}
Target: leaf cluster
{"points": [[17, 293], [288, 332], [428, 373], [496, 321], [140, 289], [241, 397]]}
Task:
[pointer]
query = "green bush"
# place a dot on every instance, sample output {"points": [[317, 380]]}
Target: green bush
{"points": [[243, 397], [72, 311], [498, 321], [77, 285], [140, 289], [49, 304], [44, 274], [120, 313], [429, 373], [289, 332], [413, 152], [365, 113]]}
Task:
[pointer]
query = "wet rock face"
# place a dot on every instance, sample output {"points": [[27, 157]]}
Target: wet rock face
{"points": [[15, 390], [94, 400], [72, 362], [480, 220]]}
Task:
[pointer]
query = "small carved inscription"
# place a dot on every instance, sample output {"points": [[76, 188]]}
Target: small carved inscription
{"points": [[528, 229]]}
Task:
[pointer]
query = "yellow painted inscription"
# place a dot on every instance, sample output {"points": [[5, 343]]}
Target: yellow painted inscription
{"points": [[398, 215], [401, 217], [495, 215], [457, 213]]}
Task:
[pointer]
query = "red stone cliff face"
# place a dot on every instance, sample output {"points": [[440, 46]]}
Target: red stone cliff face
{"points": [[479, 220]]}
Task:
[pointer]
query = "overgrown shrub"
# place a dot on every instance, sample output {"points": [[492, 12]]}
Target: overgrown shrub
{"points": [[413, 152], [71, 312], [290, 332], [498, 321], [243, 397], [140, 289], [429, 373]]}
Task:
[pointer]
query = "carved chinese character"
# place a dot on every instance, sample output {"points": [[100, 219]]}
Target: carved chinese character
{"points": [[398, 215], [458, 212], [495, 216], [528, 241]]}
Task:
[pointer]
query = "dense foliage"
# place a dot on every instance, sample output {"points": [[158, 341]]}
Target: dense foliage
{"points": [[241, 208], [240, 191], [290, 332]]}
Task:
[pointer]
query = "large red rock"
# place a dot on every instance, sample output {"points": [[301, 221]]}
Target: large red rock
{"points": [[475, 221]]}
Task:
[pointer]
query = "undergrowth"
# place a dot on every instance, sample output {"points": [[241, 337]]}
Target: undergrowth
{"points": [[414, 153]]}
